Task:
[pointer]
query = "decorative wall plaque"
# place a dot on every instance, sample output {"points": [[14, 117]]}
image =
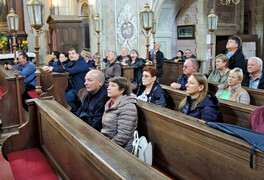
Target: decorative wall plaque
{"points": [[127, 28]]}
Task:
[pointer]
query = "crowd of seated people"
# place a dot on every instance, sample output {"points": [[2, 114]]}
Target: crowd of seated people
{"points": [[110, 107]]}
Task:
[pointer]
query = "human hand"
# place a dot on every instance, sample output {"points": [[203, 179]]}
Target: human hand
{"points": [[175, 85], [45, 68]]}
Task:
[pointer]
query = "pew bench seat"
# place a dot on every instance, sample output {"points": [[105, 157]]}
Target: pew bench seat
{"points": [[30, 164]]}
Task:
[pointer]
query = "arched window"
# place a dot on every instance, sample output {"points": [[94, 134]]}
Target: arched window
{"points": [[85, 9]]}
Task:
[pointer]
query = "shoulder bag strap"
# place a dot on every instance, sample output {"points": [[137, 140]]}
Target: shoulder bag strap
{"points": [[235, 94]]}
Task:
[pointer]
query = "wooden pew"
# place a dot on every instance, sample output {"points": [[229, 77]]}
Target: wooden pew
{"points": [[74, 149], [171, 72], [256, 95], [233, 112], [187, 149], [54, 84], [9, 103]]}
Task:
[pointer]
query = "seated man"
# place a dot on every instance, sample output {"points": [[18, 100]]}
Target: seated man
{"points": [[112, 68], [190, 66], [77, 69], [25, 68], [254, 78], [92, 108], [123, 58], [188, 54]]}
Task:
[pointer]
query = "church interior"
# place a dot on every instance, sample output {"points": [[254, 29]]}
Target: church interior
{"points": [[183, 147]]}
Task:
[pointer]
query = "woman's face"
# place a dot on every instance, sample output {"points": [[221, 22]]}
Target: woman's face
{"points": [[219, 63], [62, 57], [113, 91], [193, 87], [133, 54], [179, 55], [233, 79], [147, 79]]}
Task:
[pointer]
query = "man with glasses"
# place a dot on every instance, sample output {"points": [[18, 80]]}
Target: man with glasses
{"points": [[190, 66]]}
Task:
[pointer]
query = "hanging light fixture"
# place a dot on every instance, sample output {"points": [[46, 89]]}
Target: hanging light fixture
{"points": [[228, 2]]}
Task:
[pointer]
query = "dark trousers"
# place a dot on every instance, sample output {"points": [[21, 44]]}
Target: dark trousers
{"points": [[25, 95]]}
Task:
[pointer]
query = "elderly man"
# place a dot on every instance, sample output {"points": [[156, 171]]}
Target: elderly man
{"points": [[92, 108], [77, 69], [159, 58], [254, 78], [234, 54], [189, 54], [190, 66], [123, 56], [112, 68]]}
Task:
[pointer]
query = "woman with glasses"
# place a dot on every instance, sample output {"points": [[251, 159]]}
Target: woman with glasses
{"points": [[150, 90], [199, 103], [232, 90], [221, 72]]}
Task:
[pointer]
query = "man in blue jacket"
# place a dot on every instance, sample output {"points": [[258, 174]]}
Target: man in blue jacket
{"points": [[25, 68], [92, 108], [77, 69]]}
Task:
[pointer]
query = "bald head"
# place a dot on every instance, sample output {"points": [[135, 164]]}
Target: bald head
{"points": [[94, 80]]}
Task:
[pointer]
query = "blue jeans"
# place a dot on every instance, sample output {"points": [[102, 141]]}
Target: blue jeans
{"points": [[72, 98]]}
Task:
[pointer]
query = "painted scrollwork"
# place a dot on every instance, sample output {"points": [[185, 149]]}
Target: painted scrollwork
{"points": [[127, 27]]}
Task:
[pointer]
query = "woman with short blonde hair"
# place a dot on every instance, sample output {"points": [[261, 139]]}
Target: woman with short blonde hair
{"points": [[232, 90], [221, 72]]}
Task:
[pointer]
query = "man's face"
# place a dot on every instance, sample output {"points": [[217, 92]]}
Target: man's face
{"points": [[188, 54], [188, 68], [92, 84], [157, 46], [73, 56], [231, 44], [21, 60], [124, 52], [253, 67], [111, 57]]}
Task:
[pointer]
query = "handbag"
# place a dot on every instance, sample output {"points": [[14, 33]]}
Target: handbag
{"points": [[142, 149]]}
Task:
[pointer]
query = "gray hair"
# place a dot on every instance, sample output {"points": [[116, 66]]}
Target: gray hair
{"points": [[238, 71], [113, 53], [194, 63], [259, 61]]}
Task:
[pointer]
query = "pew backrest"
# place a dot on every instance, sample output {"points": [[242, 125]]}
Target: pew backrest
{"points": [[74, 149], [256, 95], [187, 149]]}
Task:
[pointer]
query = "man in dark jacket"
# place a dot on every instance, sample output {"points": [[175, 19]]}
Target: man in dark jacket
{"points": [[77, 69], [254, 78], [92, 108], [159, 58], [234, 54]]}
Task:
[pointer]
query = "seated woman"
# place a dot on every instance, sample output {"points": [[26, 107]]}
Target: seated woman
{"points": [[179, 57], [120, 118], [150, 90], [136, 62], [199, 103], [232, 90], [54, 63], [221, 72], [88, 58], [64, 59]]}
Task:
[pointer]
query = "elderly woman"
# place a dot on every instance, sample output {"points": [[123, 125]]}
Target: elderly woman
{"points": [[136, 62], [179, 57], [150, 90], [199, 103], [220, 74], [232, 90], [88, 58], [120, 117]]}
